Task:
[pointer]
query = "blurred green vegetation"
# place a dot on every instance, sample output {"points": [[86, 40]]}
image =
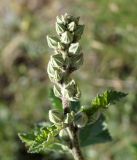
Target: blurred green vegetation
{"points": [[110, 50]]}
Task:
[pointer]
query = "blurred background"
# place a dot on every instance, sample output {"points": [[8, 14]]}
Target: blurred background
{"points": [[110, 50]]}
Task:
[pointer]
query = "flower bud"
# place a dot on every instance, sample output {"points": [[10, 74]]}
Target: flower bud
{"points": [[74, 48], [58, 75], [50, 69], [78, 32], [64, 55], [63, 134], [71, 26], [57, 91], [69, 118], [63, 19], [54, 73], [59, 20], [61, 46], [76, 61], [57, 60], [81, 119], [68, 18], [66, 37], [71, 91], [60, 28], [55, 116], [52, 41]]}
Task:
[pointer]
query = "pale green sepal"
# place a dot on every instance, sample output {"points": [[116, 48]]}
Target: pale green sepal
{"points": [[72, 26], [66, 37], [52, 41], [55, 116], [57, 91], [74, 48], [60, 28]]}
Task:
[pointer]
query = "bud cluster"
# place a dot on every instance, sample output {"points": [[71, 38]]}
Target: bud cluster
{"points": [[58, 118], [80, 119], [67, 58]]}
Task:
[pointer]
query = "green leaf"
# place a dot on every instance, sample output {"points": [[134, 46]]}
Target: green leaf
{"points": [[95, 133], [106, 98], [56, 102], [41, 138], [27, 138]]}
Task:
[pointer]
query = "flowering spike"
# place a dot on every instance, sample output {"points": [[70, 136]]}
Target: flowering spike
{"points": [[67, 58]]}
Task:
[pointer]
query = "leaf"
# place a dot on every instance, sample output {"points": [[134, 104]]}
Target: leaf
{"points": [[95, 133], [100, 103], [27, 138], [56, 102], [106, 98], [41, 138]]}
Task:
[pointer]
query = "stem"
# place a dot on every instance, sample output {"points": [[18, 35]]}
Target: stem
{"points": [[72, 131], [76, 151]]}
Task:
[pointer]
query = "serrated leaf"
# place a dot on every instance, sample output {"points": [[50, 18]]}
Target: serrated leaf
{"points": [[106, 98], [56, 102], [94, 133], [27, 138], [41, 138]]}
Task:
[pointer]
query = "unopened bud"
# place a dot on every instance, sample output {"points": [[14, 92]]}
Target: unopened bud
{"points": [[57, 60], [60, 28], [66, 37], [55, 116], [78, 32], [71, 91], [50, 69], [52, 41], [54, 73], [59, 20], [61, 46], [63, 134], [58, 75], [74, 48], [57, 91], [68, 18], [69, 118], [76, 61], [81, 119], [71, 26]]}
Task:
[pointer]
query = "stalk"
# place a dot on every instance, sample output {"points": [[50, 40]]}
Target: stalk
{"points": [[73, 134]]}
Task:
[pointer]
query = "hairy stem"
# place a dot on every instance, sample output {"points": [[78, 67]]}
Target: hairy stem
{"points": [[73, 134]]}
